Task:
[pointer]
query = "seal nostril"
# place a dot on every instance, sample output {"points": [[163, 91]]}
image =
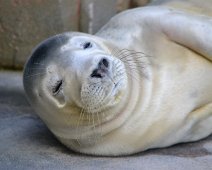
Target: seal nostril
{"points": [[105, 62], [96, 74], [102, 69]]}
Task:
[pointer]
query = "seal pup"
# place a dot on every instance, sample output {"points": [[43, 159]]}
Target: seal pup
{"points": [[143, 81]]}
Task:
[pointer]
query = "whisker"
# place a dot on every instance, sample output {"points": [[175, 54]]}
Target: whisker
{"points": [[111, 80], [67, 120], [100, 122], [95, 83], [93, 125], [132, 52], [134, 61], [78, 122], [89, 139], [88, 118], [98, 117]]}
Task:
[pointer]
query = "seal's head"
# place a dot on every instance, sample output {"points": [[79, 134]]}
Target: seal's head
{"points": [[73, 73]]}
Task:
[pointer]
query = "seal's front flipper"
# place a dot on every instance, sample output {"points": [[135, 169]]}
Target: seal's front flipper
{"points": [[191, 31]]}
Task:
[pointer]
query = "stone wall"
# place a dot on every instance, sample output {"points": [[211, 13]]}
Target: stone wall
{"points": [[24, 23]]}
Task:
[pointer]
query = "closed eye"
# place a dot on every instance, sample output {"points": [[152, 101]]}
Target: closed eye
{"points": [[57, 87]]}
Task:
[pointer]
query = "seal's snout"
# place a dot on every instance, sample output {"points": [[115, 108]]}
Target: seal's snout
{"points": [[102, 69]]}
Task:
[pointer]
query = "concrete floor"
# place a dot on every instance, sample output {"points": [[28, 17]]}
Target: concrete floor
{"points": [[26, 143]]}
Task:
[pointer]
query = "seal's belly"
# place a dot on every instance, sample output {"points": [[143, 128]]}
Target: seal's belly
{"points": [[188, 81], [180, 88]]}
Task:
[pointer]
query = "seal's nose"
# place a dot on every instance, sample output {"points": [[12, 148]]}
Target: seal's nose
{"points": [[102, 69]]}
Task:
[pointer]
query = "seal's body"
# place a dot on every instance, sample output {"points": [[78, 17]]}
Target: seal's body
{"points": [[143, 81]]}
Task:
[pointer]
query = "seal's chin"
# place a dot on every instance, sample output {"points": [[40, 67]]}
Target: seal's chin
{"points": [[96, 98]]}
